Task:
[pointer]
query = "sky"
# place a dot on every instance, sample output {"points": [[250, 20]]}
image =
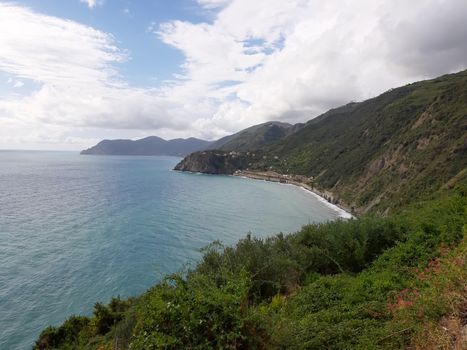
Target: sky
{"points": [[74, 72]]}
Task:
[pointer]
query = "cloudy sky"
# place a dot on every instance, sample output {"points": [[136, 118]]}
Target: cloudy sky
{"points": [[73, 72]]}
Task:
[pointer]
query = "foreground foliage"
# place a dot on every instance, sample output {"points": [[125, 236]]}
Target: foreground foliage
{"points": [[369, 283]]}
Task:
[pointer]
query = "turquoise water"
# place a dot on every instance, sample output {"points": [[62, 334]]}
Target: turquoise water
{"points": [[79, 229]]}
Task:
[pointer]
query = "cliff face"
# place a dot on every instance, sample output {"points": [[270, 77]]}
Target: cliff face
{"points": [[213, 162]]}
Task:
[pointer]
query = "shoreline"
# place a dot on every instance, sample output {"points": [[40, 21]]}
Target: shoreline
{"points": [[343, 212]]}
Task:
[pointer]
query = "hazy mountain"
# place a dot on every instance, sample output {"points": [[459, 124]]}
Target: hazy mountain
{"points": [[255, 137], [149, 146]]}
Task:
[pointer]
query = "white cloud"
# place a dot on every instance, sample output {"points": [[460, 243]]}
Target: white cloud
{"points": [[52, 50], [15, 83], [127, 12], [92, 3], [294, 59], [256, 61]]}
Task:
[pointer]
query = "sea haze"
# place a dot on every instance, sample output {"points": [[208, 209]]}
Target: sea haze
{"points": [[79, 229]]}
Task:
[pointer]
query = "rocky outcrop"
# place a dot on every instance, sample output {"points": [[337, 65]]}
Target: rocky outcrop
{"points": [[213, 162]]}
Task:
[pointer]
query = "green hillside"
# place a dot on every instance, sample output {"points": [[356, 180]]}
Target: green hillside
{"points": [[385, 151], [254, 137]]}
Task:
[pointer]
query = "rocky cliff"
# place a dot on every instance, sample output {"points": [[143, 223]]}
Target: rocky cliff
{"points": [[213, 162]]}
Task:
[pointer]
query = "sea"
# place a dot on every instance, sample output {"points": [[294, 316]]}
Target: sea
{"points": [[76, 230]]}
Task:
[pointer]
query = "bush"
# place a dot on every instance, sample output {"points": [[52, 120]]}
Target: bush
{"points": [[198, 312], [107, 316], [61, 337]]}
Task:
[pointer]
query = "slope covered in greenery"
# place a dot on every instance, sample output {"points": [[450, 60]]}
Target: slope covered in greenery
{"points": [[385, 151], [255, 137], [369, 283]]}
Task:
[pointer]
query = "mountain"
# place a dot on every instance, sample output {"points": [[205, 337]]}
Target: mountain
{"points": [[215, 162], [374, 155], [254, 137], [148, 146]]}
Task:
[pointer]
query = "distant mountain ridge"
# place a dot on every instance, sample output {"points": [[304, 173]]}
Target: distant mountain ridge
{"points": [[148, 146], [254, 137]]}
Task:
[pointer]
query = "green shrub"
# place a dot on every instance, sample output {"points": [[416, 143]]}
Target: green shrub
{"points": [[198, 312], [64, 336]]}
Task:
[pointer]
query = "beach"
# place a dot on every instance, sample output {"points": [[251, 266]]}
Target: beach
{"points": [[326, 197]]}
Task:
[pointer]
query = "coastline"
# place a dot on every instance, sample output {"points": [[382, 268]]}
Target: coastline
{"points": [[343, 212]]}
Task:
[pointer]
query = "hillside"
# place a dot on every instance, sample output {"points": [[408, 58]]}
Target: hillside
{"points": [[381, 153], [148, 146], [255, 137]]}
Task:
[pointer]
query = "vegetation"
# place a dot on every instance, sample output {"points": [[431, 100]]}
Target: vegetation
{"points": [[254, 137], [368, 283]]}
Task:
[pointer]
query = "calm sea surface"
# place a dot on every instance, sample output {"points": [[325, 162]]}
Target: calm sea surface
{"points": [[79, 229]]}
